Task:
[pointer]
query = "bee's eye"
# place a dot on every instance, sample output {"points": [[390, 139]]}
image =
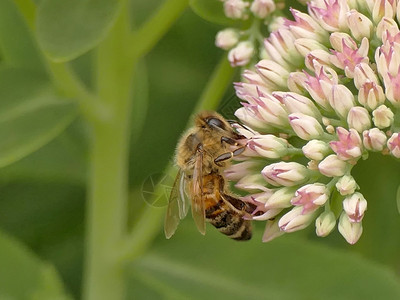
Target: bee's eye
{"points": [[214, 122]]}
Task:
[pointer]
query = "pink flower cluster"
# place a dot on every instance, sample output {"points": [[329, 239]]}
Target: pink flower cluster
{"points": [[327, 89]]}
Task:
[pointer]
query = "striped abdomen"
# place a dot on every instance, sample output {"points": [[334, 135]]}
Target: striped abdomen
{"points": [[229, 221]]}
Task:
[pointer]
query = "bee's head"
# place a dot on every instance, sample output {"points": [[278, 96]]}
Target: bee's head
{"points": [[212, 121]]}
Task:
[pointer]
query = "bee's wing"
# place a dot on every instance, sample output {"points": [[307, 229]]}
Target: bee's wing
{"points": [[198, 211], [178, 205]]}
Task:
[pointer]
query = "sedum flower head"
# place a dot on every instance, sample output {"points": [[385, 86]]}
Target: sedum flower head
{"points": [[325, 93]]}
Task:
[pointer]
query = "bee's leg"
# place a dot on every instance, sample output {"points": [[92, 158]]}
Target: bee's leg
{"points": [[228, 140], [229, 155]]}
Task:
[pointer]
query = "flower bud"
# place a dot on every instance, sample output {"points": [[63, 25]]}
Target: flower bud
{"points": [[240, 170], [280, 198], [227, 38], [296, 82], [355, 206], [382, 117], [310, 197], [272, 231], [249, 117], [383, 8], [349, 144], [325, 223], [274, 75], [241, 54], [370, 95], [306, 127], [285, 173], [394, 145], [386, 25], [316, 150], [374, 139], [268, 146], [349, 230], [251, 183], [359, 118], [332, 166], [363, 73], [360, 26], [294, 220], [235, 9], [272, 111], [305, 46], [297, 103], [262, 8], [346, 185], [341, 99]]}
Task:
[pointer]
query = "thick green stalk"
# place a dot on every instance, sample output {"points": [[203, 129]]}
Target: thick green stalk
{"points": [[104, 276]]}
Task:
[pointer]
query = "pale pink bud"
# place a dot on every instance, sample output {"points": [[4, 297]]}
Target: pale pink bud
{"points": [[341, 99], [371, 95], [321, 85], [316, 150], [339, 40], [272, 231], [285, 174], [359, 119], [317, 58], [240, 170], [325, 223], [305, 46], [349, 144], [331, 15], [227, 38], [346, 185], [306, 127], [332, 166], [251, 183], [250, 118], [296, 103], [272, 111], [349, 230], [262, 8], [280, 198], [383, 117], [274, 75], [383, 8], [304, 26], [355, 206], [310, 197], [384, 25], [360, 26], [374, 139], [349, 58], [268, 146], [235, 9], [363, 73], [294, 220], [392, 85], [296, 82], [394, 144], [280, 47], [241, 54]]}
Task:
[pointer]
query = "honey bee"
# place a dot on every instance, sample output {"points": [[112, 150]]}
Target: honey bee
{"points": [[202, 154]]}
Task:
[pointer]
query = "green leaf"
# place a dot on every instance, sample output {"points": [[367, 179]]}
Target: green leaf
{"points": [[141, 97], [212, 11], [31, 113], [24, 276], [190, 266], [67, 29], [16, 43]]}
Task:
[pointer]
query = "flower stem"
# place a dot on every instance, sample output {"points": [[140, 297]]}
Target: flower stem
{"points": [[107, 201]]}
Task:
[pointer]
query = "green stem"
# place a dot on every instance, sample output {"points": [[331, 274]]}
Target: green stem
{"points": [[144, 39], [148, 226], [104, 276]]}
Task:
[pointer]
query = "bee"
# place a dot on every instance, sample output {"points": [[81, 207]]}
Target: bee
{"points": [[203, 152]]}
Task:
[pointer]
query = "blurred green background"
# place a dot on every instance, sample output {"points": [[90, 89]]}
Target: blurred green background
{"points": [[42, 200]]}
